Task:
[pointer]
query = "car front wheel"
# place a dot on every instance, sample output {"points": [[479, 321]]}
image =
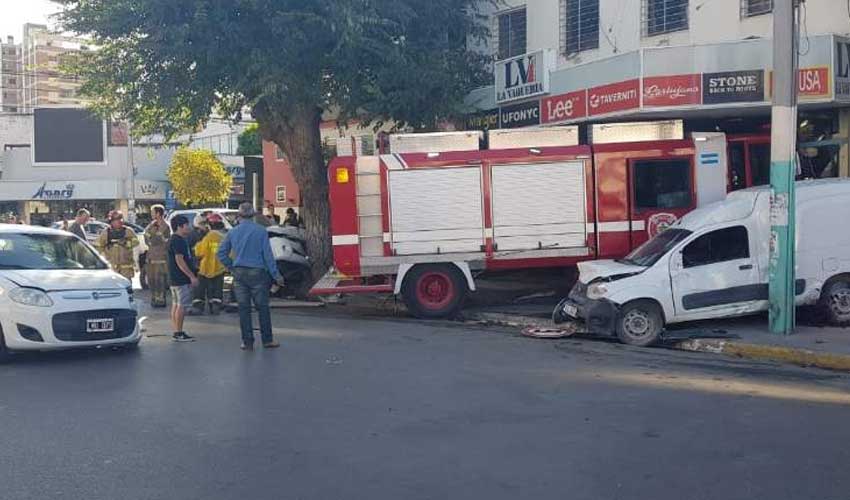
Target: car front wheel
{"points": [[640, 323]]}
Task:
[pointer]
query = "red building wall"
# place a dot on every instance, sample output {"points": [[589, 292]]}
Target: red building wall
{"points": [[277, 172]]}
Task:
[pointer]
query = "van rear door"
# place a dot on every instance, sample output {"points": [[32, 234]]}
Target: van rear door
{"points": [[715, 274]]}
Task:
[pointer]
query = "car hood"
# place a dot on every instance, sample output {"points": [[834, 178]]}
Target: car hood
{"points": [[57, 280], [612, 270]]}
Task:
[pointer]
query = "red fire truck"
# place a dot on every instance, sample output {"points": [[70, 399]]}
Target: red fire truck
{"points": [[420, 221]]}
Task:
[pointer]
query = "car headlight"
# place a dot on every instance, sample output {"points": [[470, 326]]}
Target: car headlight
{"points": [[597, 291], [30, 297]]}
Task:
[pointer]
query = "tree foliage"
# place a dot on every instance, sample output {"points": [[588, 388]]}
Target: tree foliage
{"points": [[167, 65], [199, 178], [250, 142]]}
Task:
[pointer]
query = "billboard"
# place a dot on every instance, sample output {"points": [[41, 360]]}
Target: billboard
{"points": [[63, 136]]}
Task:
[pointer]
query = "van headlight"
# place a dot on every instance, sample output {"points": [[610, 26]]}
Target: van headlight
{"points": [[30, 297], [597, 291]]}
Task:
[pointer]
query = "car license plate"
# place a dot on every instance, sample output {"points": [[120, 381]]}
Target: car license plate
{"points": [[100, 325], [571, 310]]}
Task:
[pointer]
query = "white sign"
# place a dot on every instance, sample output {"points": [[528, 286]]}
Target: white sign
{"points": [[151, 190], [524, 76], [59, 190]]}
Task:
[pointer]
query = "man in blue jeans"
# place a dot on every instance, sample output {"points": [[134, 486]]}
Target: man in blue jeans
{"points": [[253, 270]]}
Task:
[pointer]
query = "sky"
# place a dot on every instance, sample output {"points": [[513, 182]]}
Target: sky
{"points": [[14, 13]]}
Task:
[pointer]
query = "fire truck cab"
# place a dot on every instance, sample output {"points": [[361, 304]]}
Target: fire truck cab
{"points": [[425, 219]]}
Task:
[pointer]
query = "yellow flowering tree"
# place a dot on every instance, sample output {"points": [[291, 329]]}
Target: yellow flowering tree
{"points": [[199, 178]]}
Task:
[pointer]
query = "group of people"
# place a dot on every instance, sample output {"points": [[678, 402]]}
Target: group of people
{"points": [[191, 258]]}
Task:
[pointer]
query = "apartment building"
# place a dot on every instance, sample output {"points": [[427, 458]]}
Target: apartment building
{"points": [[42, 54], [11, 76]]}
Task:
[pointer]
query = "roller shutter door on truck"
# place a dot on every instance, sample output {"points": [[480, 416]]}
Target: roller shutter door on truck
{"points": [[541, 206], [436, 211]]}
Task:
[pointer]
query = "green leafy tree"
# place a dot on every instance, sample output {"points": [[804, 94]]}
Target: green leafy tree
{"points": [[250, 141], [167, 65], [199, 178]]}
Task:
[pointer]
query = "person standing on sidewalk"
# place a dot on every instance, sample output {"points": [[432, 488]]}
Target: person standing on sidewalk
{"points": [[117, 244], [78, 227], [253, 270], [157, 235], [211, 270], [181, 270]]}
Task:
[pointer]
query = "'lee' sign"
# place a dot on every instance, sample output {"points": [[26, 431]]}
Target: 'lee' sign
{"points": [[523, 76], [564, 107]]}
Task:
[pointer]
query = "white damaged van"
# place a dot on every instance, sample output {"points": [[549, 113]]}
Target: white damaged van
{"points": [[713, 263]]}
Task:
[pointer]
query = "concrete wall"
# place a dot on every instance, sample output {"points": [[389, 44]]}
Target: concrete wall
{"points": [[620, 25]]}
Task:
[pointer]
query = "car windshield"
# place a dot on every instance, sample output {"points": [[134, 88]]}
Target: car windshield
{"points": [[46, 251], [649, 253]]}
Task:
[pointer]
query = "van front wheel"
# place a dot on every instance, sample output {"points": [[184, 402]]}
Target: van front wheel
{"points": [[640, 323], [835, 301]]}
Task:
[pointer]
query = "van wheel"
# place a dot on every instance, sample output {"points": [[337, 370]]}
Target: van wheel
{"points": [[835, 301], [434, 291], [640, 323]]}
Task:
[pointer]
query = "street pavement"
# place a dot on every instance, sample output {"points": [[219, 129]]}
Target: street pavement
{"points": [[399, 409]]}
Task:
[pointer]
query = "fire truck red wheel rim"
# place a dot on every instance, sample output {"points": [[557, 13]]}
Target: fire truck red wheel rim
{"points": [[435, 290]]}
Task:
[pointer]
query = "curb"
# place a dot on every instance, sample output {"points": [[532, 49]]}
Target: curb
{"points": [[790, 355]]}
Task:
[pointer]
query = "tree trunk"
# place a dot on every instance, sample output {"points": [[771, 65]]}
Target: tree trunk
{"points": [[295, 129]]}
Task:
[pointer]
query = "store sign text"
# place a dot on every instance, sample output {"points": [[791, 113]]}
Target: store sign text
{"points": [[733, 86], [520, 115], [522, 77], [677, 90], [63, 193], [149, 189], [564, 107], [614, 97]]}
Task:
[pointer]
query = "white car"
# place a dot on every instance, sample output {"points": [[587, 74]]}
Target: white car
{"points": [[229, 215], [57, 293], [714, 263], [94, 228]]}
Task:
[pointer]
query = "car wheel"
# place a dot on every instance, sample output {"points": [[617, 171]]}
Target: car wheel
{"points": [[835, 301], [4, 352], [640, 323], [434, 291]]}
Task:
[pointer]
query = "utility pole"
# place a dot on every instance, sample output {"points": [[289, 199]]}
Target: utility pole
{"points": [[131, 162], [783, 167]]}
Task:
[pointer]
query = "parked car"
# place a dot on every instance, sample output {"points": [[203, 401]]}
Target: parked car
{"points": [[94, 228], [227, 214], [56, 293], [713, 263]]}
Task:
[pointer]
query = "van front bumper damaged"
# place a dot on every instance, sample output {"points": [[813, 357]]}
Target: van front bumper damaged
{"points": [[597, 316]]}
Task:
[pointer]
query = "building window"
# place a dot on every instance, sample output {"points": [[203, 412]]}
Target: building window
{"points": [[662, 184], [723, 245], [581, 25], [280, 194], [750, 8], [664, 16], [279, 154], [511, 32], [367, 145]]}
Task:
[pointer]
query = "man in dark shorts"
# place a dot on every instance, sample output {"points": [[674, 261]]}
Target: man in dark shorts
{"points": [[183, 274]]}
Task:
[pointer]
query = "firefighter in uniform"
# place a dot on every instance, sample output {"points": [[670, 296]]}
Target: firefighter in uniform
{"points": [[117, 244], [157, 235]]}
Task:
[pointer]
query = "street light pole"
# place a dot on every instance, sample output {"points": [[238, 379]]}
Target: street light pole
{"points": [[783, 167]]}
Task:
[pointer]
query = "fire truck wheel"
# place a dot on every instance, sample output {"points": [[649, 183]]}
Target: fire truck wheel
{"points": [[640, 323], [434, 291]]}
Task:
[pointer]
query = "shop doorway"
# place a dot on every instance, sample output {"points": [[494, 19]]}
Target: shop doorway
{"points": [[749, 161]]}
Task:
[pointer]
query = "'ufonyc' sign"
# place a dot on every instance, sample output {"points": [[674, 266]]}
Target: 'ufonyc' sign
{"points": [[523, 76]]}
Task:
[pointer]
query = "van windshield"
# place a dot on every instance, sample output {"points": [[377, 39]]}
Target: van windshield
{"points": [[648, 254]]}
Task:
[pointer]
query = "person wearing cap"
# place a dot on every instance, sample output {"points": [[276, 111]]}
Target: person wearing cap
{"points": [[253, 269], [210, 271], [157, 235], [78, 227], [117, 244]]}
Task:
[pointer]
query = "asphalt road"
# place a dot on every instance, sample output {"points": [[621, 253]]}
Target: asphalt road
{"points": [[388, 409]]}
